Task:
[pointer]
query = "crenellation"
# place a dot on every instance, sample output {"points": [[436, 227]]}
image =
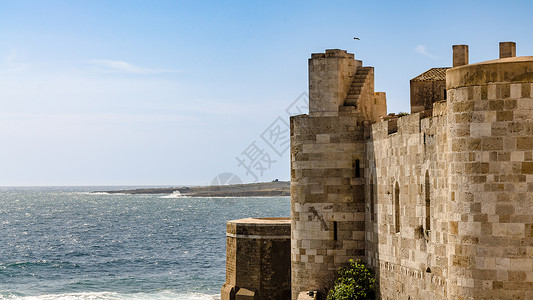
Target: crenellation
{"points": [[507, 49], [460, 55]]}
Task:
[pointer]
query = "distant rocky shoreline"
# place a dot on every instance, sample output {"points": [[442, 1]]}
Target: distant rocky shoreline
{"points": [[263, 189]]}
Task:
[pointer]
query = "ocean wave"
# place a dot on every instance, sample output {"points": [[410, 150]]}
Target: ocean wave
{"points": [[175, 194], [101, 193], [90, 247], [92, 193], [162, 295], [37, 263], [68, 296]]}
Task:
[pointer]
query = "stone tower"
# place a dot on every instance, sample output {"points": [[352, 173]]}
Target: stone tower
{"points": [[327, 154], [490, 118]]}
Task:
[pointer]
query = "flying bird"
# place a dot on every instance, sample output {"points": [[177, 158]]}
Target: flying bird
{"points": [[356, 38]]}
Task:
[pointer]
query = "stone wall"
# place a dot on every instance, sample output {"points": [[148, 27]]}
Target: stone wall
{"points": [[406, 221], [450, 196], [327, 198], [257, 259], [425, 93]]}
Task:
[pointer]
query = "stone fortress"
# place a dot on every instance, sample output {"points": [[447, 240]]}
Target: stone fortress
{"points": [[439, 203]]}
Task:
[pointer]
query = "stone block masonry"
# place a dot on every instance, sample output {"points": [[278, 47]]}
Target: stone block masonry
{"points": [[406, 234], [327, 169], [327, 207], [257, 259], [445, 195], [491, 247], [438, 203]]}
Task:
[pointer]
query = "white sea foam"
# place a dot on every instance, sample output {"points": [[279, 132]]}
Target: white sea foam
{"points": [[163, 295], [107, 193], [175, 194], [94, 193], [100, 193], [70, 296]]}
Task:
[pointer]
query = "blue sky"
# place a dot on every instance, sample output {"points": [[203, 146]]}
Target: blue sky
{"points": [[172, 92]]}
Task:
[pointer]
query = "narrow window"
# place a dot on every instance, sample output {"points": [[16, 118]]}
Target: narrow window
{"points": [[357, 169], [428, 202], [371, 198], [397, 207], [444, 94], [334, 230]]}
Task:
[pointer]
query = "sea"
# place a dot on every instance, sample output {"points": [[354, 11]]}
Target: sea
{"points": [[68, 243]]}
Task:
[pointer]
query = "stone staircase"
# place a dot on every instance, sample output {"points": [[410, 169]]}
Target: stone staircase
{"points": [[357, 85]]}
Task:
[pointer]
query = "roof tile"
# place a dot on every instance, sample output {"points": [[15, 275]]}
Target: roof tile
{"points": [[432, 74]]}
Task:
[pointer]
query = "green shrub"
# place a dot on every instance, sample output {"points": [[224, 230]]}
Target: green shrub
{"points": [[354, 282]]}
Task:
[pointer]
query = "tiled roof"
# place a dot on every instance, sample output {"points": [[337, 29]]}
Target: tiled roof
{"points": [[432, 74]]}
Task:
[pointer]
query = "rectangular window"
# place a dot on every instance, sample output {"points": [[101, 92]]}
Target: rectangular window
{"points": [[428, 202], [334, 230], [397, 207], [371, 200]]}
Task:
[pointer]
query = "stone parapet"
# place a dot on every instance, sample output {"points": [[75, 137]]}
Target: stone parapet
{"points": [[504, 70], [330, 76], [257, 259]]}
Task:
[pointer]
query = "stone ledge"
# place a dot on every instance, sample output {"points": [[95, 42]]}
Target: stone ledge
{"points": [[270, 228], [505, 70]]}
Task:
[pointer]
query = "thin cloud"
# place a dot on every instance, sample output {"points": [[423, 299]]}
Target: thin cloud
{"points": [[423, 50], [12, 61], [125, 67]]}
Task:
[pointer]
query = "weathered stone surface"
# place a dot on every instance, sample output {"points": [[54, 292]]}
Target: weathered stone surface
{"points": [[227, 292], [428, 88], [245, 294], [505, 70], [309, 295], [327, 154], [257, 259], [334, 71]]}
